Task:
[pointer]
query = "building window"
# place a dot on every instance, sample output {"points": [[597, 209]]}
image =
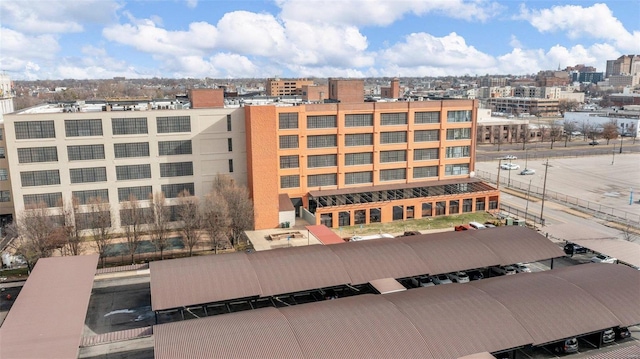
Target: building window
{"points": [[358, 139], [424, 172], [289, 161], [393, 156], [458, 151], [4, 174], [85, 220], [228, 123], [454, 206], [91, 174], [459, 134], [136, 149], [129, 126], [390, 119], [287, 121], [426, 117], [138, 193], [327, 121], [170, 148], [230, 166], [173, 124], [87, 197], [230, 144], [289, 141], [145, 215], [40, 178], [176, 169], [425, 154], [292, 181], [1, 134], [34, 129], [174, 190], [322, 141], [37, 154], [2, 153], [454, 170], [393, 137], [49, 199], [358, 120], [329, 179], [361, 158], [322, 161], [426, 135], [467, 205], [393, 174], [81, 128], [358, 177], [132, 172], [5, 196], [459, 116], [85, 152]]}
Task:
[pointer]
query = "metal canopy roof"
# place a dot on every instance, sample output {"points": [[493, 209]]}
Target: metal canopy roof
{"points": [[625, 251], [490, 315], [199, 280], [47, 318]]}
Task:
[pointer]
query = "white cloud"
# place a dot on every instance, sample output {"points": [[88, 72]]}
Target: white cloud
{"points": [[514, 42], [19, 45], [250, 33], [192, 4], [596, 22], [56, 16], [382, 12]]}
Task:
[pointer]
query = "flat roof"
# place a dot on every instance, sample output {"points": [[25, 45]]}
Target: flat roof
{"points": [[183, 282], [350, 190], [491, 315], [387, 285], [625, 251], [47, 318], [324, 234]]}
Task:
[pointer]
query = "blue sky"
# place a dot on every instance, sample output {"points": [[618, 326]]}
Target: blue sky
{"points": [[85, 39]]}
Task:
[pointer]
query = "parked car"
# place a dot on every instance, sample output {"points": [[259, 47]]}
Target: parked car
{"points": [[475, 274], [521, 268], [608, 336], [509, 157], [572, 248], [422, 281], [601, 258], [594, 143], [567, 346], [528, 171], [440, 279], [503, 270], [462, 227], [459, 277], [576, 133], [510, 166], [477, 225], [622, 333]]}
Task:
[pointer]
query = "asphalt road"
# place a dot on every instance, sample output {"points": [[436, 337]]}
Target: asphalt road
{"points": [[577, 148]]}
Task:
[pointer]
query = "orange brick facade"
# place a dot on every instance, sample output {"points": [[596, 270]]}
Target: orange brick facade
{"points": [[206, 98], [390, 179], [346, 90]]}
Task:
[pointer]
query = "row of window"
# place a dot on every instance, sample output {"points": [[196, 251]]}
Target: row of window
{"points": [[290, 120], [366, 158], [102, 195], [96, 152], [93, 127], [365, 177], [99, 174], [366, 139]]}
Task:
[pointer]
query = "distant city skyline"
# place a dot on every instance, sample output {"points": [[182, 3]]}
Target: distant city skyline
{"points": [[101, 39]]}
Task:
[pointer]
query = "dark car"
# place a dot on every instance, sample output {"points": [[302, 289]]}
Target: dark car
{"points": [[572, 248], [622, 333], [475, 274], [594, 143]]}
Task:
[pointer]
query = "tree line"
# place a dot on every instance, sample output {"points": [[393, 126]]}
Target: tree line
{"points": [[220, 220]]}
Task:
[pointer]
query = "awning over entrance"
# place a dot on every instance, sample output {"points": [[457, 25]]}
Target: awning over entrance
{"points": [[325, 235]]}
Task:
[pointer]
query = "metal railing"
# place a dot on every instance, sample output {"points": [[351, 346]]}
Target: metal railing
{"points": [[533, 155], [527, 216], [596, 209]]}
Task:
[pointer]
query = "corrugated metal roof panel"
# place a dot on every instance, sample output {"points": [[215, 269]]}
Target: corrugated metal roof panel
{"points": [[625, 251], [47, 318], [459, 319], [548, 307], [296, 269], [198, 280], [325, 235], [515, 244]]}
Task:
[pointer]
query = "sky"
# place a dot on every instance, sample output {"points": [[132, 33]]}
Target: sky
{"points": [[101, 39]]}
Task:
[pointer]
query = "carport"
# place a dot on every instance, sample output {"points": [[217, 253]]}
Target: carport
{"points": [[47, 318], [624, 251]]}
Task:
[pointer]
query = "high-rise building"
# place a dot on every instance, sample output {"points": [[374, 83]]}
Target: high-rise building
{"points": [[623, 65], [286, 87]]}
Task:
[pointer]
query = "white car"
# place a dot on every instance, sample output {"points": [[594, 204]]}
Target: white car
{"points": [[477, 225], [601, 258], [528, 171], [509, 166], [521, 268], [459, 277], [422, 281], [504, 270], [440, 279], [509, 157]]}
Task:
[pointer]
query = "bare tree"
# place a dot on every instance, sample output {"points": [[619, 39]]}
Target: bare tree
{"points": [[239, 205], [513, 130], [191, 217], [133, 219], [630, 234], [216, 218], [565, 105], [569, 128], [100, 220], [158, 218], [525, 136], [544, 129], [73, 228], [497, 136], [587, 130], [610, 130], [555, 132]]}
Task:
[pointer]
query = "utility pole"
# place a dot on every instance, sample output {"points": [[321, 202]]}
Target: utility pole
{"points": [[499, 167], [614, 154], [621, 138], [544, 190], [526, 209]]}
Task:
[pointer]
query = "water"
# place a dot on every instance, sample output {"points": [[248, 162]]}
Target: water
{"points": [[120, 249]]}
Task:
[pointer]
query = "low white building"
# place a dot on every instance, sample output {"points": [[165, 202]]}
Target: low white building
{"points": [[628, 121]]}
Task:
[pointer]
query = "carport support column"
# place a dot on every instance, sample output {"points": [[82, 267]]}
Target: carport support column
{"points": [[551, 263]]}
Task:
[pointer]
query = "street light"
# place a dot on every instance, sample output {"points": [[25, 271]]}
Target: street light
{"points": [[621, 137], [544, 190]]}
